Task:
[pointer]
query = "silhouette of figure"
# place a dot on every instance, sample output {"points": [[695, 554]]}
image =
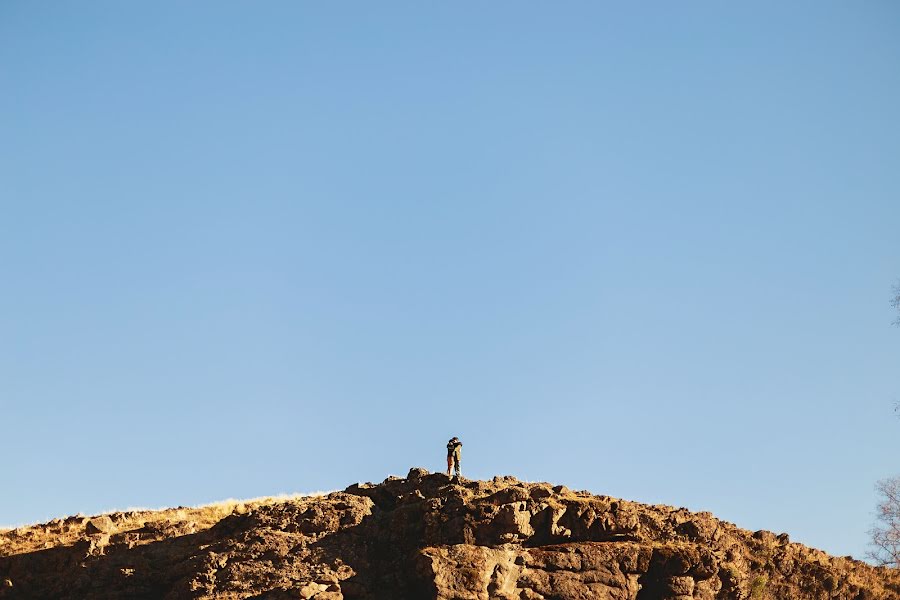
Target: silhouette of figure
{"points": [[454, 452]]}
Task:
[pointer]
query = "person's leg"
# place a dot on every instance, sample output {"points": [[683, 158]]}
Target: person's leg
{"points": [[449, 464], [456, 465]]}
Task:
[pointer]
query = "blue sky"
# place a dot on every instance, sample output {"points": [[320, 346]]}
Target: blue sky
{"points": [[645, 251]]}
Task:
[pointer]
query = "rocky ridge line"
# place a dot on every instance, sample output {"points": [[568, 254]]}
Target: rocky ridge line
{"points": [[427, 536]]}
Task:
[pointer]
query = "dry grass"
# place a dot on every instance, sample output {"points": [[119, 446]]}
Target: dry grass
{"points": [[226, 503], [69, 530]]}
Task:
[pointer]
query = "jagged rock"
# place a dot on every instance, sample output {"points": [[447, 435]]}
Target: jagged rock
{"points": [[417, 473], [97, 544], [101, 524], [311, 589], [426, 536]]}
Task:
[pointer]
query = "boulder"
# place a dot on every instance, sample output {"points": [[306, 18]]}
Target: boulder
{"points": [[417, 473], [102, 524]]}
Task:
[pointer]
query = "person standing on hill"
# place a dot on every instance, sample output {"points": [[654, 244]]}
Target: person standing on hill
{"points": [[454, 452]]}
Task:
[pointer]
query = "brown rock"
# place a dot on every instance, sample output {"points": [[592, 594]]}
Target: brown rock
{"points": [[417, 473], [426, 537], [101, 524], [681, 586]]}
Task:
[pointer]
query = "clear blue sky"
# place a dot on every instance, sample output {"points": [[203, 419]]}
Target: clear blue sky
{"points": [[254, 248]]}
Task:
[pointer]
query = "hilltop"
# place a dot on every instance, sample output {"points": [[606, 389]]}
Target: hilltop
{"points": [[425, 536]]}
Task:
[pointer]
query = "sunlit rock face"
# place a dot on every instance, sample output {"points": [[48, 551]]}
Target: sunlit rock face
{"points": [[425, 536]]}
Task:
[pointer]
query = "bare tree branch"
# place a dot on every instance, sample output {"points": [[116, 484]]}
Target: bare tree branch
{"points": [[886, 532], [895, 302], [885, 535]]}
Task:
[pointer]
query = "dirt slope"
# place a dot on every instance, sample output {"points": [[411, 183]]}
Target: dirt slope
{"points": [[426, 537]]}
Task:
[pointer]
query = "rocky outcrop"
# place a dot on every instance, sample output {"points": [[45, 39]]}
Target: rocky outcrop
{"points": [[426, 536]]}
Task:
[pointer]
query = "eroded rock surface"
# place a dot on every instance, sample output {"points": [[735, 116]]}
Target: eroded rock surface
{"points": [[426, 536]]}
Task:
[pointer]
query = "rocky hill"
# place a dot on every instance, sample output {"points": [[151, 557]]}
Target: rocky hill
{"points": [[425, 536]]}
